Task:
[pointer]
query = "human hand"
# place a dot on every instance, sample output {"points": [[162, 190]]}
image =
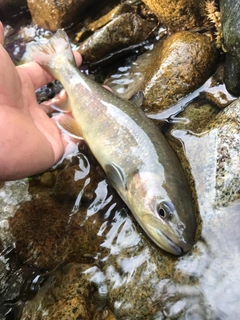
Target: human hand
{"points": [[30, 142]]}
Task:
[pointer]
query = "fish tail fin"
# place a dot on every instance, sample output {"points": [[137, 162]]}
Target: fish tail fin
{"points": [[45, 54]]}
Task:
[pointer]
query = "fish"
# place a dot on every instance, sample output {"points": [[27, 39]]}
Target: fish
{"points": [[137, 159]]}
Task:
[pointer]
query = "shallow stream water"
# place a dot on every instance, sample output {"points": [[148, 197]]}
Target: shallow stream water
{"points": [[75, 245]]}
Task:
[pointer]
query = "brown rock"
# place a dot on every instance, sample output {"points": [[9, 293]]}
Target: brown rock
{"points": [[66, 295], [47, 232], [56, 14], [179, 14], [179, 66]]}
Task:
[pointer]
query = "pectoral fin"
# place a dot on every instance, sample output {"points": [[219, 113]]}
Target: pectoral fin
{"points": [[61, 102], [116, 175], [71, 127]]}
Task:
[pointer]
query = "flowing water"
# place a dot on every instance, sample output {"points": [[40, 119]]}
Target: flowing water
{"points": [[77, 240]]}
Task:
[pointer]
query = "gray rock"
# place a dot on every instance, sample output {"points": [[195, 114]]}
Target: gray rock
{"points": [[123, 31], [230, 10]]}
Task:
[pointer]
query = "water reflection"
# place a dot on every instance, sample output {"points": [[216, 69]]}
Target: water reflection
{"points": [[106, 255]]}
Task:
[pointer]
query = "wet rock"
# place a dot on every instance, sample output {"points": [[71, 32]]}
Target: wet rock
{"points": [[52, 15], [125, 30], [17, 39], [77, 176], [226, 126], [230, 10], [48, 232], [174, 68], [61, 218], [66, 295], [10, 10], [48, 179], [102, 21], [48, 91], [69, 293], [211, 128], [128, 273], [212, 157], [179, 15], [184, 62], [217, 92]]}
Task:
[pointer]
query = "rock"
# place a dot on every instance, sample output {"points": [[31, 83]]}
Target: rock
{"points": [[50, 225], [10, 10], [66, 295], [182, 64], [48, 179], [48, 91], [179, 15], [212, 155], [53, 15], [103, 20], [217, 92], [174, 68], [226, 128], [230, 10], [78, 175], [123, 31]]}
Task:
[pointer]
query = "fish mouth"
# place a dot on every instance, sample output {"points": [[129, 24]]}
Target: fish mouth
{"points": [[167, 244], [155, 230]]}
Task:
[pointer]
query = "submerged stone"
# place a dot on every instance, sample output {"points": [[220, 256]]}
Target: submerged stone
{"points": [[123, 31], [230, 10], [125, 271]]}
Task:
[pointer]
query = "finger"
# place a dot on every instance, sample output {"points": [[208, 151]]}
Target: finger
{"points": [[78, 58], [46, 107], [1, 33], [38, 75], [59, 102]]}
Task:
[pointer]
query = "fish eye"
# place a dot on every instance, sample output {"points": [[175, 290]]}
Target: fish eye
{"points": [[162, 212], [165, 209]]}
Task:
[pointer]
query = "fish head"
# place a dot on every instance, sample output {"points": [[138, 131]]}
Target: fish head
{"points": [[165, 219]]}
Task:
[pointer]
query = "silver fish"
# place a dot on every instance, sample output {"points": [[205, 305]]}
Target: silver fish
{"points": [[137, 159]]}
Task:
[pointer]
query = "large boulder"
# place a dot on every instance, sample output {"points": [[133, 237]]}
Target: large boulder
{"points": [[179, 14], [57, 14]]}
